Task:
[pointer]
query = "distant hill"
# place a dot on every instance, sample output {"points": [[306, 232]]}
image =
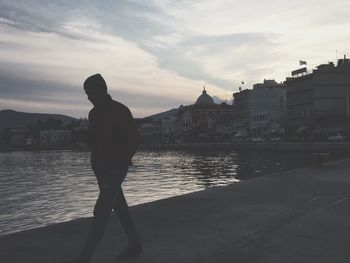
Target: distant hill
{"points": [[164, 114], [15, 119]]}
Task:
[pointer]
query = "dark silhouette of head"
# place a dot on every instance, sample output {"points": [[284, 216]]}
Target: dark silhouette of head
{"points": [[96, 89]]}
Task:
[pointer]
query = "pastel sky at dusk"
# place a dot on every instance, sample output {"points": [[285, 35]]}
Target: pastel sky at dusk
{"points": [[157, 54]]}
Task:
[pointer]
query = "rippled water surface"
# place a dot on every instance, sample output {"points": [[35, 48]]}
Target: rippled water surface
{"points": [[41, 188]]}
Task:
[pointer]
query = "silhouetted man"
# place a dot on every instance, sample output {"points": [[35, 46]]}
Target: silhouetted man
{"points": [[113, 141]]}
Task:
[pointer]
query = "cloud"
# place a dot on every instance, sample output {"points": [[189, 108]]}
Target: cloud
{"points": [[49, 83], [157, 54], [130, 20], [54, 64], [46, 96], [19, 86]]}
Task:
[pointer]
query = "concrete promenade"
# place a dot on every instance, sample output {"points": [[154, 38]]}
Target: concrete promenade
{"points": [[297, 216]]}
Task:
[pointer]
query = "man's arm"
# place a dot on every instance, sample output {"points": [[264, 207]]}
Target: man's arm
{"points": [[92, 137], [132, 134]]}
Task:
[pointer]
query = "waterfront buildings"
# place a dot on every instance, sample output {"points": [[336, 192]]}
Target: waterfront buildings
{"points": [[319, 101], [308, 103], [259, 111], [150, 132], [202, 121], [52, 138], [18, 137], [185, 120], [209, 116]]}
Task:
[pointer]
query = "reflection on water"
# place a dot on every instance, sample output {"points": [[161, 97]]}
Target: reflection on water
{"points": [[40, 188]]}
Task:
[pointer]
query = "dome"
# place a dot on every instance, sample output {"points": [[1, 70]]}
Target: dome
{"points": [[204, 99]]}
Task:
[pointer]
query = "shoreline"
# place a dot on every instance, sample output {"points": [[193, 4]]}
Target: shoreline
{"points": [[299, 215], [38, 149], [261, 146], [258, 146]]}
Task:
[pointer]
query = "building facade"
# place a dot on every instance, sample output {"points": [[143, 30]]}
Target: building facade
{"points": [[205, 116], [261, 110], [319, 101], [53, 138], [201, 121]]}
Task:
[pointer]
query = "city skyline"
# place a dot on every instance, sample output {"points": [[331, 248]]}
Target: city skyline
{"points": [[157, 55]]}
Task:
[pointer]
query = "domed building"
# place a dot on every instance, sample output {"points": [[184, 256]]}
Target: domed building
{"points": [[205, 117], [204, 99]]}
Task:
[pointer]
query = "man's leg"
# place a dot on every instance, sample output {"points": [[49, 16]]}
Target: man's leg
{"points": [[122, 210], [102, 211]]}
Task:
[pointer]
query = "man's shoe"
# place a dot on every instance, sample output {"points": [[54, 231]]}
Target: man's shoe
{"points": [[130, 252]]}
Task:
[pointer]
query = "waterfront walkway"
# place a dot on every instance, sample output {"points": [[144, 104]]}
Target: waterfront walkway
{"points": [[295, 216]]}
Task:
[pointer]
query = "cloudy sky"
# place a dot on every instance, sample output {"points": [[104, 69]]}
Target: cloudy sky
{"points": [[158, 54]]}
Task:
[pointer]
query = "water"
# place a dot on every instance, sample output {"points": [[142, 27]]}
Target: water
{"points": [[41, 188]]}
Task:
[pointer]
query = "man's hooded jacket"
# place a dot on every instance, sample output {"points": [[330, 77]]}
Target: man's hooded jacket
{"points": [[113, 135]]}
